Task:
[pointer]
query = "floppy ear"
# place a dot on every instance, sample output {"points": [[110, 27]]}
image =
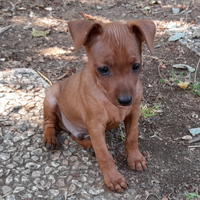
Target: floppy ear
{"points": [[83, 31], [144, 30]]}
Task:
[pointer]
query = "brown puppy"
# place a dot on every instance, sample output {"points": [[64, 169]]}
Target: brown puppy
{"points": [[104, 94]]}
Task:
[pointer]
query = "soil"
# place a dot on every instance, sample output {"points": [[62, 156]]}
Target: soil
{"points": [[173, 165]]}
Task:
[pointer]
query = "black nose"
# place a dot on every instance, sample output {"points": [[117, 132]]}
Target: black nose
{"points": [[125, 100]]}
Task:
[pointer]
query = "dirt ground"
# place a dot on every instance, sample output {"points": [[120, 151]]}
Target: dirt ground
{"points": [[173, 164]]}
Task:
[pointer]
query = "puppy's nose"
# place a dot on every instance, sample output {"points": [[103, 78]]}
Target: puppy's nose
{"points": [[125, 100]]}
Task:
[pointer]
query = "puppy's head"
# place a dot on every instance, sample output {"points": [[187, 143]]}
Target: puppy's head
{"points": [[114, 54]]}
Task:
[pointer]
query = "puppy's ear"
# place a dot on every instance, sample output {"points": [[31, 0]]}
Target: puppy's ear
{"points": [[83, 31], [144, 30]]}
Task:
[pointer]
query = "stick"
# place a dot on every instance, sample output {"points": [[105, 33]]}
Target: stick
{"points": [[195, 140], [43, 76], [195, 76], [5, 29]]}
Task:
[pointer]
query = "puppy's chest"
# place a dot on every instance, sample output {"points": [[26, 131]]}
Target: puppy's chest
{"points": [[80, 131]]}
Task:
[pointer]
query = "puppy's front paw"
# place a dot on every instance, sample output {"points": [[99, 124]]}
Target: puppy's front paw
{"points": [[114, 180], [136, 161], [50, 142]]}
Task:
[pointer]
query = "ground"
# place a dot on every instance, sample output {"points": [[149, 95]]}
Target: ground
{"points": [[173, 164]]}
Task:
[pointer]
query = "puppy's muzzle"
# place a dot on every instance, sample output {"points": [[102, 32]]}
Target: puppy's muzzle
{"points": [[125, 100]]}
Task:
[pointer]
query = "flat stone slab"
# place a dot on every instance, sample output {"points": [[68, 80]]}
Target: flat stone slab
{"points": [[27, 169]]}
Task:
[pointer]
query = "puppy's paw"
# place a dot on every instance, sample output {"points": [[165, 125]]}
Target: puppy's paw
{"points": [[115, 181], [136, 161], [50, 142]]}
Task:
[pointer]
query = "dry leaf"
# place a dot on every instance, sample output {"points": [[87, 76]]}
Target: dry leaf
{"points": [[163, 66], [86, 16], [183, 85]]}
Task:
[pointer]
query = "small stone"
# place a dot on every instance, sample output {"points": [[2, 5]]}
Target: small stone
{"points": [[30, 132], [94, 191], [32, 165], [54, 192], [26, 142], [34, 188], [65, 162], [8, 142], [18, 159], [10, 197], [83, 178], [9, 179], [23, 127], [72, 188], [37, 152], [69, 178], [35, 158], [25, 179], [73, 158], [61, 183], [36, 174], [54, 164], [4, 156], [18, 189], [26, 155], [16, 139], [63, 168], [52, 179], [6, 190], [11, 166], [85, 159], [99, 7], [11, 149], [47, 170], [79, 184], [25, 172]]}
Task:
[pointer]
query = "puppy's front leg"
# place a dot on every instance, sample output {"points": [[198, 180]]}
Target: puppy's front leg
{"points": [[112, 178], [135, 159]]}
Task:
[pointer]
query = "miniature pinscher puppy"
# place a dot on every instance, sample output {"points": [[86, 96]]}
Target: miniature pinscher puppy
{"points": [[105, 93]]}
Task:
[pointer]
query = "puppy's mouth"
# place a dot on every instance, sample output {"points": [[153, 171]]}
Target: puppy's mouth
{"points": [[120, 106]]}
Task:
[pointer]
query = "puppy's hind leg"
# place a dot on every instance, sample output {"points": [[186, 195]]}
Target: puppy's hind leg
{"points": [[51, 118]]}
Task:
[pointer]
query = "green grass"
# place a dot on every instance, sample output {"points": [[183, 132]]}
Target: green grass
{"points": [[122, 133], [191, 195], [147, 112], [195, 87]]}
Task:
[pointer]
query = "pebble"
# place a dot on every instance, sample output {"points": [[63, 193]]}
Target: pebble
{"points": [[18, 189], [6, 190], [94, 191], [4, 156]]}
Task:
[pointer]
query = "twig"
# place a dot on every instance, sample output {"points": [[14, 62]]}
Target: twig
{"points": [[195, 76], [194, 146], [5, 29], [195, 140], [43, 76], [6, 194]]}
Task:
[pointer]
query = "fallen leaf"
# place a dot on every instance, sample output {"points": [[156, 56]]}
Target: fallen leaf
{"points": [[187, 137], [163, 66], [176, 36], [194, 131], [183, 85], [146, 8], [37, 33], [87, 16]]}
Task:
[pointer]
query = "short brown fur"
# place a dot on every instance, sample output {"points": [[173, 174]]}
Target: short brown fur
{"points": [[92, 102]]}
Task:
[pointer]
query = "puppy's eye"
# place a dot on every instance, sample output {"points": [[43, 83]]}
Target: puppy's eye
{"points": [[103, 70], [135, 67]]}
